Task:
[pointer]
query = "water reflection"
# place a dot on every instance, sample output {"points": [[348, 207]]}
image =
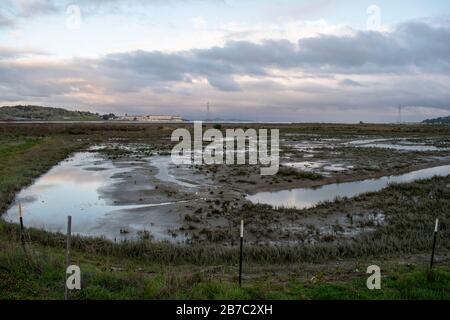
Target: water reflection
{"points": [[404, 147], [73, 188], [308, 197]]}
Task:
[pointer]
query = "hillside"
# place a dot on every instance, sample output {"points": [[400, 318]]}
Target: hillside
{"points": [[441, 120], [39, 113]]}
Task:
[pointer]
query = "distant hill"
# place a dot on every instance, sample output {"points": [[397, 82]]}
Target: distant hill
{"points": [[39, 113], [441, 120]]}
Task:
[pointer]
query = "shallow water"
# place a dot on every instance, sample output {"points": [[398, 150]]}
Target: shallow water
{"points": [[73, 187], [163, 164], [318, 166], [411, 147], [401, 145], [308, 197]]}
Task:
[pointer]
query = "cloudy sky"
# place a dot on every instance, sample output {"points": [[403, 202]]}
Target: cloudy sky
{"points": [[278, 60]]}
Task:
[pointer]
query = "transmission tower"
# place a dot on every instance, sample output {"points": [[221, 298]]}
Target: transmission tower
{"points": [[207, 112], [399, 116]]}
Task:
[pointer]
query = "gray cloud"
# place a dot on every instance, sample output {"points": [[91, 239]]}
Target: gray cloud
{"points": [[409, 65], [6, 18], [410, 48], [410, 45], [5, 21], [413, 44], [350, 83], [30, 8], [224, 83], [11, 53], [141, 68], [34, 8]]}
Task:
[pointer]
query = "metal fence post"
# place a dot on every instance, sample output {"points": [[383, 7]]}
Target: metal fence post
{"points": [[69, 231]]}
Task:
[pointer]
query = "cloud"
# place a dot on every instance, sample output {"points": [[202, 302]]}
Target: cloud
{"points": [[410, 45], [224, 83], [141, 68], [5, 21], [350, 83], [34, 8], [28, 8], [408, 65], [14, 53]]}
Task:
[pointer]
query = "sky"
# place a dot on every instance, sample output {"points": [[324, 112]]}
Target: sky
{"points": [[278, 60]]}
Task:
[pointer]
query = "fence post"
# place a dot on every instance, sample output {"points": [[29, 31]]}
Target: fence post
{"points": [[434, 243], [241, 255], [22, 231], [69, 231]]}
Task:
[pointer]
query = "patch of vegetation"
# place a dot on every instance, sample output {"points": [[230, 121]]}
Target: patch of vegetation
{"points": [[30, 113], [440, 120], [39, 273], [10, 146], [297, 174]]}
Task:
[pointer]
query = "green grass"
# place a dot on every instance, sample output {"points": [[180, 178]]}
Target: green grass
{"points": [[297, 174], [12, 146], [416, 285], [40, 274]]}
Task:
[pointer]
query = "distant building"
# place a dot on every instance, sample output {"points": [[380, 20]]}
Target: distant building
{"points": [[151, 118]]}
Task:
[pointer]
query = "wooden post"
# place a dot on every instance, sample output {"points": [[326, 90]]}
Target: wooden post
{"points": [[434, 243], [241, 255], [69, 231], [22, 231]]}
